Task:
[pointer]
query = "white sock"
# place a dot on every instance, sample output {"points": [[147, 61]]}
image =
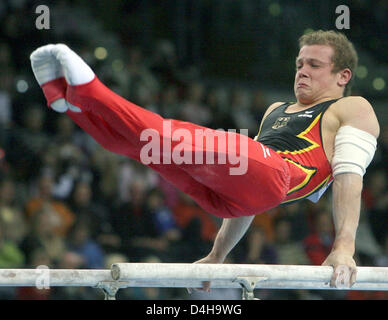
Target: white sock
{"points": [[47, 67], [76, 71], [44, 65]]}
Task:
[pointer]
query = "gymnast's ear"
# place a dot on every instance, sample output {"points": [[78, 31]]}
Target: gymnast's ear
{"points": [[344, 76]]}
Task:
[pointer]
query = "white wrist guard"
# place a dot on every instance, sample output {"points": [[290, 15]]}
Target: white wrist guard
{"points": [[353, 151]]}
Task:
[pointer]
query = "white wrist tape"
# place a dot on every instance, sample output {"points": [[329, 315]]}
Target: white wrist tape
{"points": [[353, 151]]}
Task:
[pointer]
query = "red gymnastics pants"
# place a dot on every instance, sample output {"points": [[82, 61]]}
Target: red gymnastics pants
{"points": [[116, 124]]}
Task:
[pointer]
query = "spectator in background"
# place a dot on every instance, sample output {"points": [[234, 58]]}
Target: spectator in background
{"points": [[311, 210], [295, 214], [375, 196], [258, 106], [133, 224], [6, 79], [169, 102], [11, 216], [193, 108], [318, 242], [5, 167], [71, 162], [69, 141], [129, 171], [380, 159], [6, 90], [94, 215], [260, 250], [27, 143], [105, 169], [5, 56], [43, 236], [241, 101], [64, 131], [164, 63], [67, 133], [289, 251], [10, 257], [61, 217], [266, 222], [162, 217], [138, 73], [367, 247], [221, 116], [196, 227], [147, 98], [165, 224], [80, 242]]}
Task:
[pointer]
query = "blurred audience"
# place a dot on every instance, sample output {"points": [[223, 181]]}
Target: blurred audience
{"points": [[289, 251], [12, 218], [193, 108], [198, 228], [319, 241], [61, 217], [43, 235], [260, 250]]}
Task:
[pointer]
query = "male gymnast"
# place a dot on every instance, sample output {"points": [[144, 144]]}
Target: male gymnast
{"points": [[325, 137]]}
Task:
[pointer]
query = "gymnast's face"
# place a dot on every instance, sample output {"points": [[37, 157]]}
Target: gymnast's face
{"points": [[314, 78]]}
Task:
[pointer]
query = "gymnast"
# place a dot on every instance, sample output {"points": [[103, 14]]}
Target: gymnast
{"points": [[326, 137]]}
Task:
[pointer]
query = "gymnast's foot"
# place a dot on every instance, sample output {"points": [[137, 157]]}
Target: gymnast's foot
{"points": [[50, 64], [46, 68]]}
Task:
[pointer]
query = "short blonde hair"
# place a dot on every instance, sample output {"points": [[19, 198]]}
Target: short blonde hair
{"points": [[345, 55]]}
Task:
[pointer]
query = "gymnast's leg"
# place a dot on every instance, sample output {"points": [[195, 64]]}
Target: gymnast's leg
{"points": [[117, 125]]}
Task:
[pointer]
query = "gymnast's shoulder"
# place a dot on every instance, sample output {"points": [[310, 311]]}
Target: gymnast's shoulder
{"points": [[272, 107], [358, 111]]}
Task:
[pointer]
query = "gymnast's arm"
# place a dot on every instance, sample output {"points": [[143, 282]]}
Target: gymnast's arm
{"points": [[230, 233], [347, 187]]}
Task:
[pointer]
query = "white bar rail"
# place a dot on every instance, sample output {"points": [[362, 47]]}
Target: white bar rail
{"points": [[185, 275], [54, 277], [227, 275]]}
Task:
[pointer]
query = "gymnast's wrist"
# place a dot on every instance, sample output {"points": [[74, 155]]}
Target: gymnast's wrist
{"points": [[217, 256], [344, 245]]}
